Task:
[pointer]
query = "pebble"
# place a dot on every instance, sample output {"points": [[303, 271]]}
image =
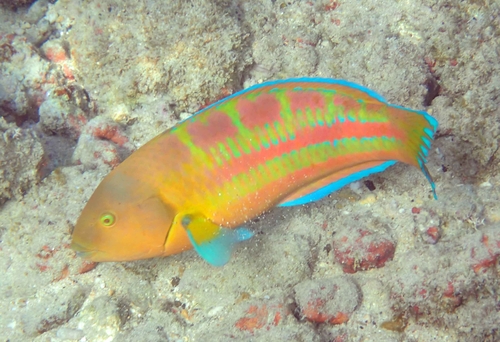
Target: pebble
{"points": [[432, 235], [215, 311], [69, 334]]}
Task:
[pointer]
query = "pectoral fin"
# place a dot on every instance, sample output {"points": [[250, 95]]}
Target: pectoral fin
{"points": [[212, 242]]}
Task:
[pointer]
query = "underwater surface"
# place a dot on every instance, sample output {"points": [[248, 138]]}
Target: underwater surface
{"points": [[84, 84]]}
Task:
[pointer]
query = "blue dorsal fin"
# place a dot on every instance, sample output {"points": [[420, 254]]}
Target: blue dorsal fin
{"points": [[211, 241], [318, 192]]}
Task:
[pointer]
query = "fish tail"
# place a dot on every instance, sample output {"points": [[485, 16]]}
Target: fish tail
{"points": [[418, 129]]}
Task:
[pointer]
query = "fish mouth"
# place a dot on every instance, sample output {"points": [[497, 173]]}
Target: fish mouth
{"points": [[82, 251]]}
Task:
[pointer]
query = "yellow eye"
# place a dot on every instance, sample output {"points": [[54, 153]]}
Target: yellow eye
{"points": [[107, 219]]}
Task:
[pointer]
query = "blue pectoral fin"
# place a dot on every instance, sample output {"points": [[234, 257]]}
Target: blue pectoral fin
{"points": [[217, 251], [429, 178], [212, 242]]}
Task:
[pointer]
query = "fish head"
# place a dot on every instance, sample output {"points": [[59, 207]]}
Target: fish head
{"points": [[125, 219]]}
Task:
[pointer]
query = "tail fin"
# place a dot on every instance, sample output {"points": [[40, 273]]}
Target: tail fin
{"points": [[419, 128]]}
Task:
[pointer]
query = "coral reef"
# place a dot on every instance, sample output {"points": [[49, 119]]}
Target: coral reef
{"points": [[85, 83]]}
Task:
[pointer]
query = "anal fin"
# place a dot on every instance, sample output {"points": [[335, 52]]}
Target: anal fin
{"points": [[325, 186]]}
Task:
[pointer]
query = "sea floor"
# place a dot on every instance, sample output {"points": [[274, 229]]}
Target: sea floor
{"points": [[83, 84]]}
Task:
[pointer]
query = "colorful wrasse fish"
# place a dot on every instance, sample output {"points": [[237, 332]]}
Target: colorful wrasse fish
{"points": [[282, 143]]}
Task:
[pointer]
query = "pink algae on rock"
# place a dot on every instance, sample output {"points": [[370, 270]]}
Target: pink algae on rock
{"points": [[363, 251], [102, 141], [330, 300], [106, 130], [262, 316]]}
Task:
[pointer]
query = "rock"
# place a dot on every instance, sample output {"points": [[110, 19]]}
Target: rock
{"points": [[262, 315], [69, 334], [61, 117], [329, 300], [21, 155], [24, 82], [15, 4], [102, 319], [362, 250], [52, 308], [102, 142]]}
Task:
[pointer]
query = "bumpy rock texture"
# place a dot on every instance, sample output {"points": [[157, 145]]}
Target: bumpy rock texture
{"points": [[21, 156], [83, 86]]}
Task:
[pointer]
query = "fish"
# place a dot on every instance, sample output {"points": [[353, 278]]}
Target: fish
{"points": [[280, 143]]}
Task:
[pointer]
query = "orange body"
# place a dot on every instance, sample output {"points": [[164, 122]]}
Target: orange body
{"points": [[286, 142]]}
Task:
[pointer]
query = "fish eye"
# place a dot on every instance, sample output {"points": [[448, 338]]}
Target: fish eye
{"points": [[107, 219]]}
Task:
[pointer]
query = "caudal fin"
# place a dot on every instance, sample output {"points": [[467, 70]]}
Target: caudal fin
{"points": [[418, 129]]}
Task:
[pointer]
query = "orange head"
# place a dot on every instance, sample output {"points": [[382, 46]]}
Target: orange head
{"points": [[125, 219]]}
